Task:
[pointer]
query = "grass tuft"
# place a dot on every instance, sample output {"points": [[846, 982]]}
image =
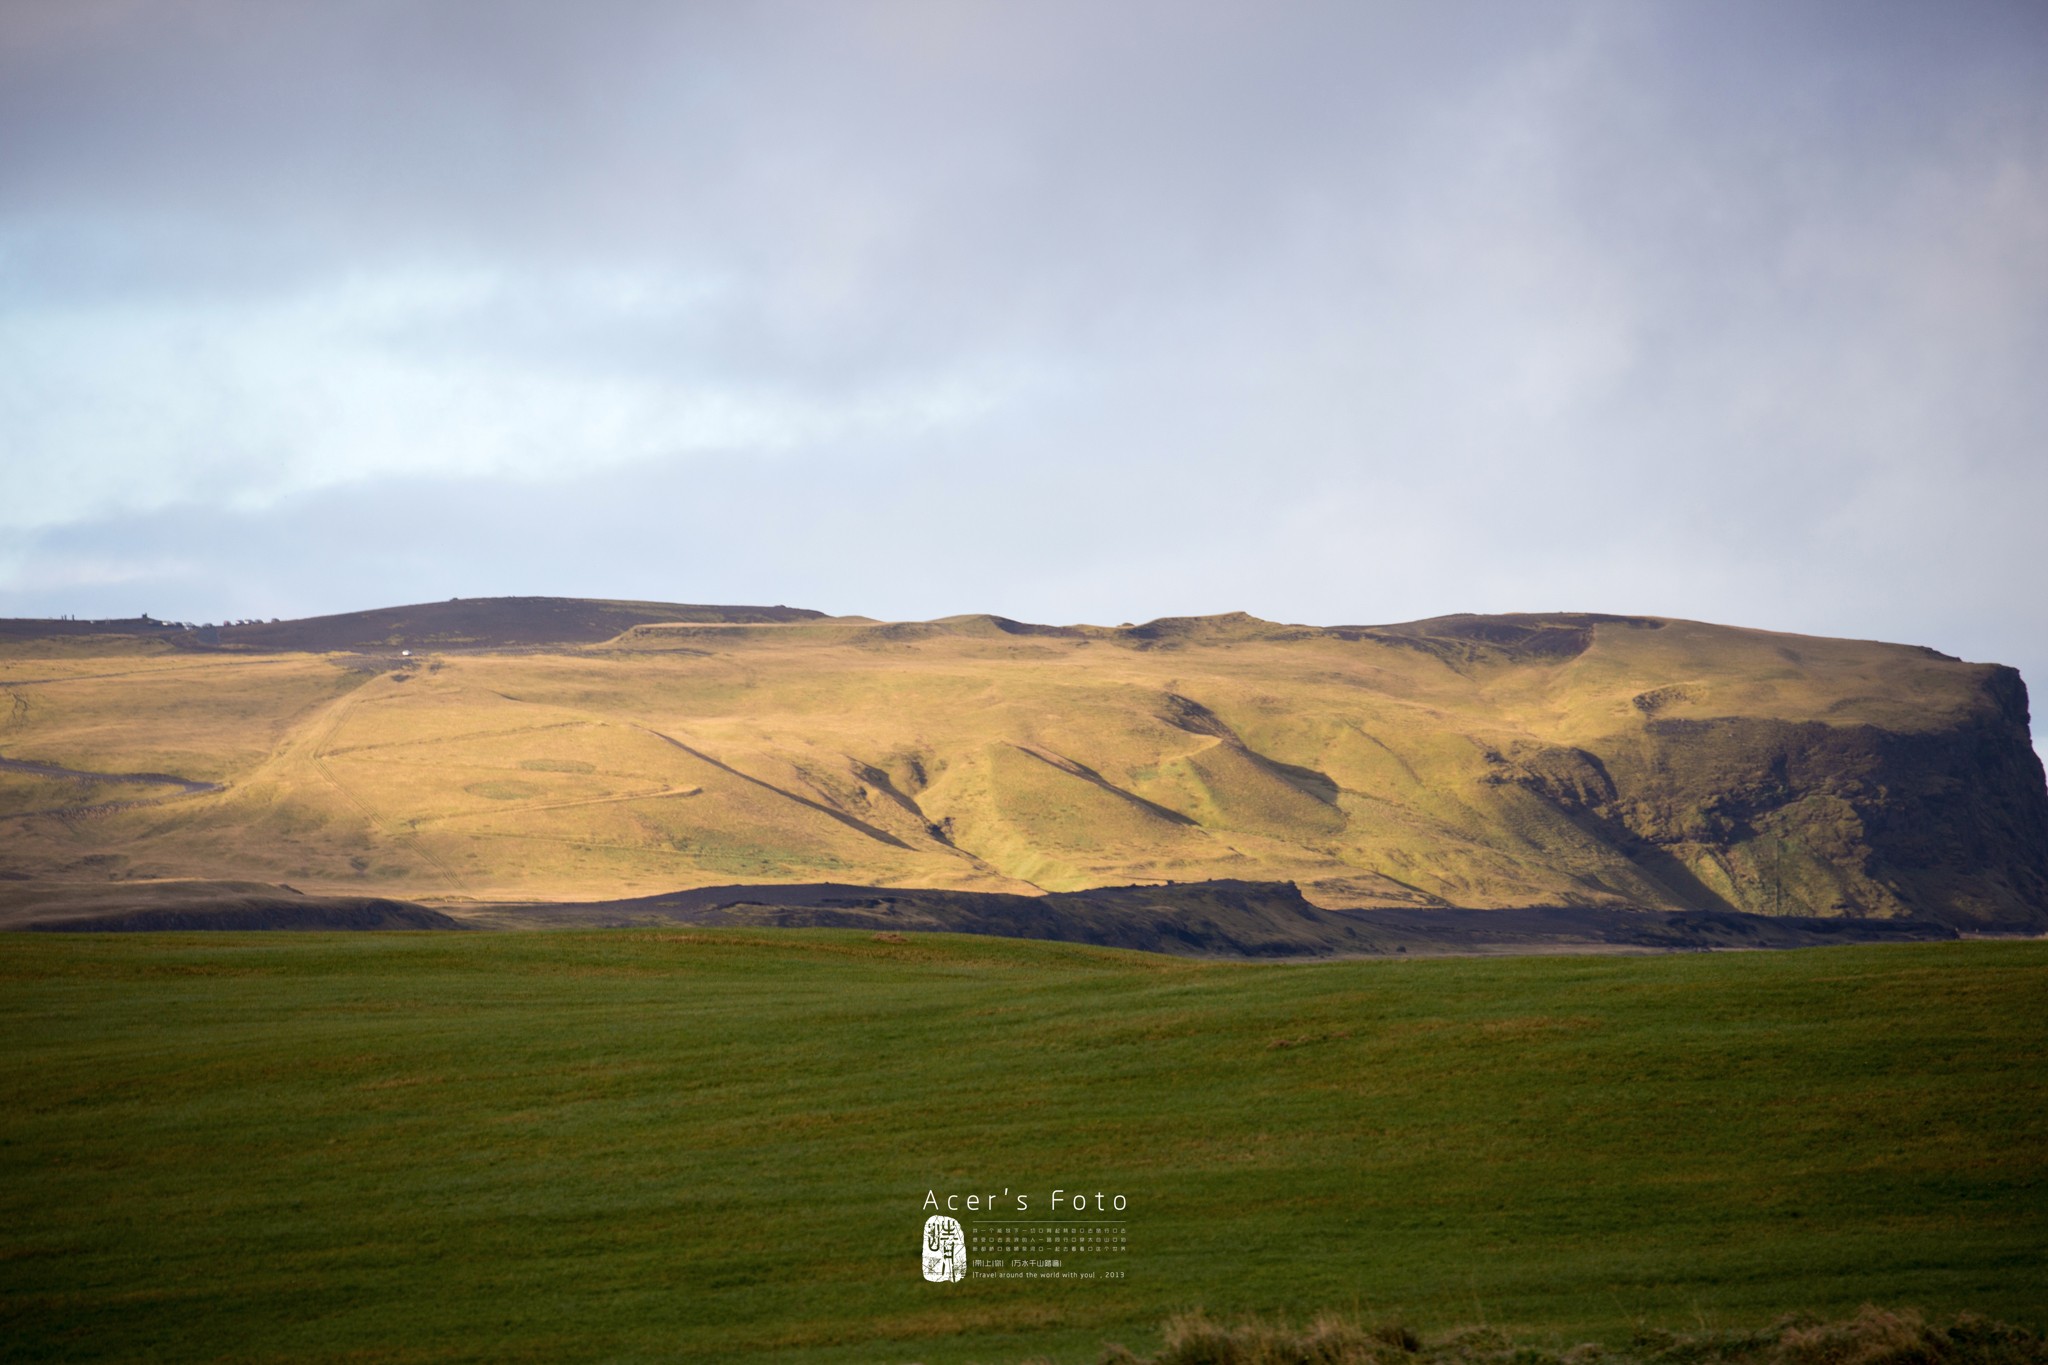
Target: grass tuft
{"points": [[1874, 1336]]}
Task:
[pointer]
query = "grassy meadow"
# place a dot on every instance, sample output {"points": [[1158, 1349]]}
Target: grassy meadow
{"points": [[715, 1144]]}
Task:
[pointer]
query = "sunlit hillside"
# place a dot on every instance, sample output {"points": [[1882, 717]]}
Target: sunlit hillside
{"points": [[1477, 761]]}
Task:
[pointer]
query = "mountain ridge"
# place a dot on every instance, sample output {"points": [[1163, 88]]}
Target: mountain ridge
{"points": [[546, 749]]}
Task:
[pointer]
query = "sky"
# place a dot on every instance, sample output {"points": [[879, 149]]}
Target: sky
{"points": [[1334, 313]]}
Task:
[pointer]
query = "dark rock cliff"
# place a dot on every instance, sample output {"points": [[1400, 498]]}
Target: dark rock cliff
{"points": [[1805, 818]]}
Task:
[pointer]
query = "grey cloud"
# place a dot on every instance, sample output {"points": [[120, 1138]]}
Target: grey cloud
{"points": [[1329, 312]]}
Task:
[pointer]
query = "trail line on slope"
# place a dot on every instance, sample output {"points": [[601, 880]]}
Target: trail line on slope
{"points": [[881, 836], [316, 758], [559, 805], [167, 670]]}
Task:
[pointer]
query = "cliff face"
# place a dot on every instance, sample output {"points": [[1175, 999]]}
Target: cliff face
{"points": [[1562, 760], [1779, 817]]}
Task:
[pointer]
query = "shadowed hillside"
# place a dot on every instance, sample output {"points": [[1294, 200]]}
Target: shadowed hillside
{"points": [[547, 750], [1209, 919], [458, 623]]}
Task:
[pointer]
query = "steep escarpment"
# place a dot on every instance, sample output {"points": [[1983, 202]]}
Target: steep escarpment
{"points": [[1783, 817], [1962, 828]]}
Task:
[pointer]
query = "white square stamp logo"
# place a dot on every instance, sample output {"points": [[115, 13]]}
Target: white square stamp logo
{"points": [[945, 1249]]}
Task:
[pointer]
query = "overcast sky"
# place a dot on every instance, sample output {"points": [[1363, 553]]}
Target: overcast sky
{"points": [[1093, 312]]}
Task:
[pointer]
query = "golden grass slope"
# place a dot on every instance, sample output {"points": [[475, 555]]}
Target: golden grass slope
{"points": [[1470, 761]]}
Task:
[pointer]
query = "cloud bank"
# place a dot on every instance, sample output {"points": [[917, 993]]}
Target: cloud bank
{"points": [[1331, 313]]}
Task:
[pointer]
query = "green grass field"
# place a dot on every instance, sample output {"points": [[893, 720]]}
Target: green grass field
{"points": [[716, 1144]]}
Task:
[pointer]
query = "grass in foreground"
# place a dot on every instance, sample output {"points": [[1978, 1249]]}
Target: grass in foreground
{"points": [[1875, 1336], [717, 1144]]}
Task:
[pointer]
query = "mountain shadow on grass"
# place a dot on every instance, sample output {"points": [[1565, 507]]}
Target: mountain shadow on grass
{"points": [[1221, 918]]}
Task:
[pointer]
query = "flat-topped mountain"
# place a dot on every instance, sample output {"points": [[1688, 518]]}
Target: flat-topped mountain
{"points": [[458, 623], [546, 749]]}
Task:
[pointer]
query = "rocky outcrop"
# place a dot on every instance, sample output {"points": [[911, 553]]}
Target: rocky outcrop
{"points": [[1805, 818]]}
